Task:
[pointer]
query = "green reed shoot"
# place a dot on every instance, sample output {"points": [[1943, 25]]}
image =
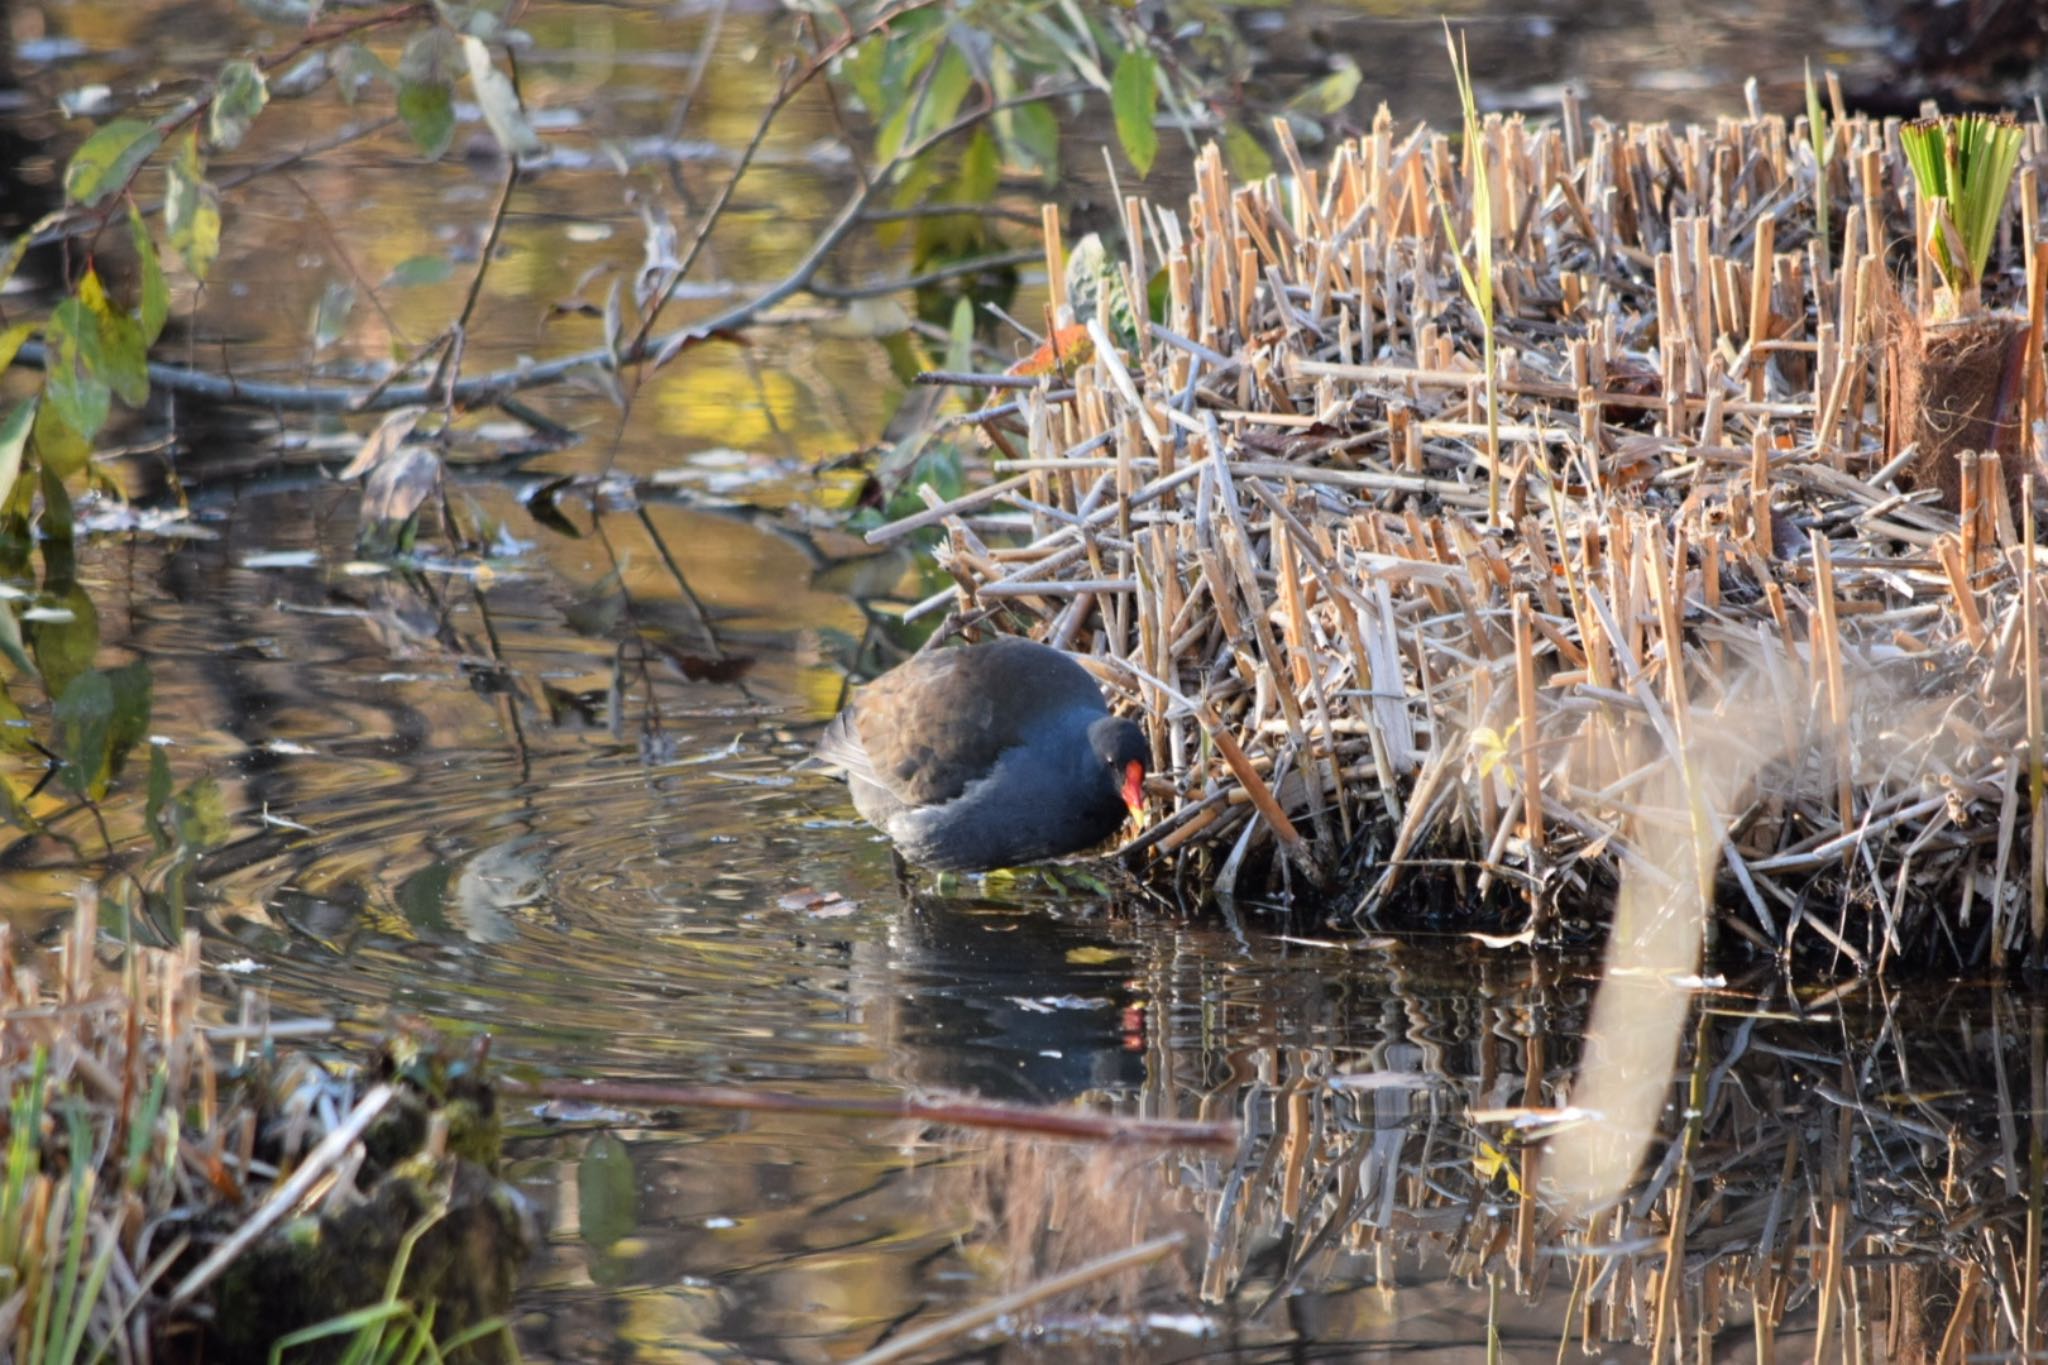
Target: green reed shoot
{"points": [[1823, 153], [392, 1330], [1477, 277], [1962, 165]]}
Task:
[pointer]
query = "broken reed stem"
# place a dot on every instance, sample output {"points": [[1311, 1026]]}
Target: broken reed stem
{"points": [[2037, 769], [1827, 647], [1532, 787]]}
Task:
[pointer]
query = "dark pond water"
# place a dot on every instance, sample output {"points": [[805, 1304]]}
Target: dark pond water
{"points": [[548, 796]]}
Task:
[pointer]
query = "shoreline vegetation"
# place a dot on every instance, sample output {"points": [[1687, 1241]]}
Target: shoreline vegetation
{"points": [[1272, 526]]}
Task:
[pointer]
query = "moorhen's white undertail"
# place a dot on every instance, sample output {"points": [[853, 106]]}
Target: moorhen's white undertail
{"points": [[989, 756]]}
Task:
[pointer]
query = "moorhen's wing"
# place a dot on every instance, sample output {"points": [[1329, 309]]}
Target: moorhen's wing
{"points": [[945, 719]]}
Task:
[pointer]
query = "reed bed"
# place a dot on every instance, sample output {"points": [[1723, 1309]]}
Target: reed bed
{"points": [[162, 1166], [1263, 515]]}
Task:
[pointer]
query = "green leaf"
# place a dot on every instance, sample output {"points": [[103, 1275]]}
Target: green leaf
{"points": [[356, 66], [942, 98], [1035, 138], [10, 343], [192, 210], [13, 441], [202, 815], [106, 160], [132, 694], [607, 1192], [1134, 99], [1244, 156], [419, 270], [99, 716], [238, 96], [429, 113], [981, 171], [154, 307], [1332, 93], [426, 90], [960, 336], [11, 258], [159, 797], [73, 384], [84, 718], [861, 69], [123, 361], [58, 446], [15, 733], [57, 521], [499, 101], [11, 646]]}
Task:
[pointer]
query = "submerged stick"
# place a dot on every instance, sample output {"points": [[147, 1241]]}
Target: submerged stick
{"points": [[960, 1324], [1059, 1123]]}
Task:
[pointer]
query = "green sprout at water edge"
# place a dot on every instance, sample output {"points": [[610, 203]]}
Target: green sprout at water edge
{"points": [[1962, 165]]}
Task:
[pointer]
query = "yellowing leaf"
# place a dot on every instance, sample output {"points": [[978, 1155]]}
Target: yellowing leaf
{"points": [[1067, 347], [106, 160], [238, 96], [192, 210]]}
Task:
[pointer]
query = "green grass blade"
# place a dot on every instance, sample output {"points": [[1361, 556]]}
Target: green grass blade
{"points": [[341, 1324]]}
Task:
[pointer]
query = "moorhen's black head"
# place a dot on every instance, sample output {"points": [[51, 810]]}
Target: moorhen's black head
{"points": [[1125, 754], [991, 756]]}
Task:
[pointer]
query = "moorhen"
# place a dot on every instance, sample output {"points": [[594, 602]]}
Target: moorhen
{"points": [[988, 756]]}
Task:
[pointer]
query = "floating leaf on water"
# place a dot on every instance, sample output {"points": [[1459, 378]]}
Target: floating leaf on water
{"points": [[238, 96], [104, 162], [281, 559]]}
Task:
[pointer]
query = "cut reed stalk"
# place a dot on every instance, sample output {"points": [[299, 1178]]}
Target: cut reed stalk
{"points": [[1272, 505]]}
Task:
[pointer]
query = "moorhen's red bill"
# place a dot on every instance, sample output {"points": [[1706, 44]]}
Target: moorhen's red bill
{"points": [[989, 756]]}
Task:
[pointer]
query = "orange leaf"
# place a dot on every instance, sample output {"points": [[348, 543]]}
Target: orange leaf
{"points": [[1067, 347]]}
